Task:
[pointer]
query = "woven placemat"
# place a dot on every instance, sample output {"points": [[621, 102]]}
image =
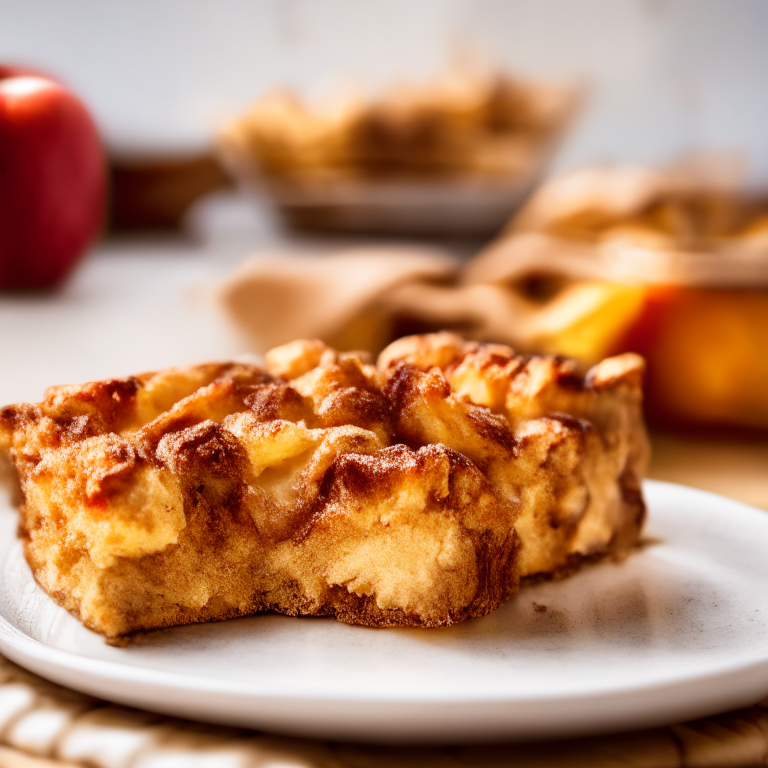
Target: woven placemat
{"points": [[43, 725]]}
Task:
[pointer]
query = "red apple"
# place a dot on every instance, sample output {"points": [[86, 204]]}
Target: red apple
{"points": [[52, 180]]}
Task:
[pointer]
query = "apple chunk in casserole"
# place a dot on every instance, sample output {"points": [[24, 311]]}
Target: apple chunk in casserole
{"points": [[415, 492]]}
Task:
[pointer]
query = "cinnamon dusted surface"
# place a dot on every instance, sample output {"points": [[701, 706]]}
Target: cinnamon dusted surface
{"points": [[414, 492]]}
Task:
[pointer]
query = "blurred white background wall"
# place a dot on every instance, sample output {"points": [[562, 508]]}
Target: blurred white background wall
{"points": [[665, 77]]}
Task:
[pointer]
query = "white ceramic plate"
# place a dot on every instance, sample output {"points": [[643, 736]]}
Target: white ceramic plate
{"points": [[678, 631]]}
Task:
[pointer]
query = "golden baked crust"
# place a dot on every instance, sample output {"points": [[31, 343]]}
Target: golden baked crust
{"points": [[414, 492]]}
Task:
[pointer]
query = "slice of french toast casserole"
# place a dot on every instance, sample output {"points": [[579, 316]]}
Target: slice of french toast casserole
{"points": [[415, 492]]}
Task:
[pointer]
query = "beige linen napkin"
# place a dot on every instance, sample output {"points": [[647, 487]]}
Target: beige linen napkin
{"points": [[43, 725], [339, 298], [365, 298]]}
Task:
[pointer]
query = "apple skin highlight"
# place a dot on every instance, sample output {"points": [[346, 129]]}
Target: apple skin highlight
{"points": [[52, 181]]}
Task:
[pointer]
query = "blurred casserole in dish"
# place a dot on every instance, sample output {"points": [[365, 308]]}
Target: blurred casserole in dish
{"points": [[453, 155]]}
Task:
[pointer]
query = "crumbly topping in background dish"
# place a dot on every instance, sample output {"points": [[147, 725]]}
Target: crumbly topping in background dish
{"points": [[415, 492], [457, 125]]}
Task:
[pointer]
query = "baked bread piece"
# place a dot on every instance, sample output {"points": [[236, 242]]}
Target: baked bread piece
{"points": [[415, 493]]}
